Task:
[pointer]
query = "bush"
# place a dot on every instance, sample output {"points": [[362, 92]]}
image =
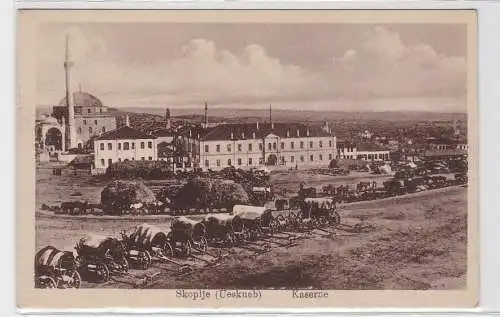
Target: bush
{"points": [[210, 193], [140, 169], [117, 196]]}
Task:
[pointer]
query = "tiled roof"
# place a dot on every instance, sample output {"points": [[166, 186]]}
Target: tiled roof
{"points": [[124, 133], [163, 132], [242, 131], [367, 146]]}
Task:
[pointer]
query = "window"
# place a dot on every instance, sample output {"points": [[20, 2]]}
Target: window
{"points": [[142, 145], [103, 163], [110, 146], [110, 161], [229, 162], [239, 147], [274, 145], [229, 147], [250, 161], [90, 130], [133, 159], [207, 163], [142, 158], [133, 145], [330, 143], [95, 122], [282, 160], [206, 148], [102, 146], [282, 145], [217, 148], [150, 158], [250, 147], [126, 146], [292, 145], [320, 144], [261, 160], [79, 130], [150, 145], [260, 146], [84, 122], [311, 158], [330, 157], [269, 146], [239, 161], [218, 162], [301, 144], [103, 129], [302, 158], [321, 157], [100, 109], [119, 146], [88, 110], [310, 144], [292, 159]]}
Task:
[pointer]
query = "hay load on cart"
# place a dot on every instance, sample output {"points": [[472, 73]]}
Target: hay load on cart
{"points": [[224, 229], [187, 235], [322, 211], [55, 268], [146, 243], [257, 220], [118, 196], [101, 257]]}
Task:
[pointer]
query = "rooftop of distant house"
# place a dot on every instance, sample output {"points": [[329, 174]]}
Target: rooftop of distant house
{"points": [[124, 133], [370, 147], [447, 140]]}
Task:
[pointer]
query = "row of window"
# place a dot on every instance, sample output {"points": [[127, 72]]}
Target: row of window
{"points": [[110, 161], [377, 156], [270, 146], [85, 121], [103, 129], [261, 161], [126, 145]]}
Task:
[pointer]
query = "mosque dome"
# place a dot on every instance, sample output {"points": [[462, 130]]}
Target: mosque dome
{"points": [[83, 99]]}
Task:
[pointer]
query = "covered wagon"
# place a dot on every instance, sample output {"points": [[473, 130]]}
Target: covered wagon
{"points": [[256, 219], [146, 243], [101, 256], [224, 228], [187, 234], [320, 211], [56, 269]]}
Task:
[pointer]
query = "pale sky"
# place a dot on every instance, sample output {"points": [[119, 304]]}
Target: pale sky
{"points": [[342, 67]]}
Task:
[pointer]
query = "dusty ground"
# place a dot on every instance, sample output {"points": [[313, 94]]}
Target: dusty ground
{"points": [[419, 242]]}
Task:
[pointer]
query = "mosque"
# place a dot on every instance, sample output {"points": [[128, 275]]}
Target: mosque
{"points": [[78, 118]]}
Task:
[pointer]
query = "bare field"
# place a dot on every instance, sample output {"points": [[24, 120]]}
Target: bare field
{"points": [[419, 242]]}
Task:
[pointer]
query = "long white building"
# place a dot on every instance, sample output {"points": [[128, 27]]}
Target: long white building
{"points": [[254, 145]]}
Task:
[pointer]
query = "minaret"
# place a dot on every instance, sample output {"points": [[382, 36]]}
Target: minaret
{"points": [[270, 114], [206, 115], [127, 121], [70, 127], [456, 132], [167, 119]]}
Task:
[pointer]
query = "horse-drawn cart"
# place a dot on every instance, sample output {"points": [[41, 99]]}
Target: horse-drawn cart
{"points": [[187, 234], [56, 269], [319, 212], [256, 220], [224, 229], [101, 256]]}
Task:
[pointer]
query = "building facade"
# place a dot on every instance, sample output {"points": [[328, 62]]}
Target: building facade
{"points": [[123, 144], [280, 145]]}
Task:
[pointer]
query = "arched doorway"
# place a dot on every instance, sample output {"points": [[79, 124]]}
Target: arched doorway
{"points": [[272, 160], [54, 139]]}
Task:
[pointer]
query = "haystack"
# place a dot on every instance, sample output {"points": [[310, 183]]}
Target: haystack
{"points": [[118, 195]]}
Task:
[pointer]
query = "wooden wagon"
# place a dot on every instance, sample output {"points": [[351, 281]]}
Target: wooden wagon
{"points": [[101, 257], [187, 234], [257, 220], [56, 269], [320, 212], [224, 229]]}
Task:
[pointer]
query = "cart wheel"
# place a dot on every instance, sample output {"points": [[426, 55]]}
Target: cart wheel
{"points": [[186, 248], [143, 260], [335, 219], [203, 244], [103, 272], [126, 265], [45, 282], [149, 257], [274, 226], [168, 251], [76, 280], [230, 239]]}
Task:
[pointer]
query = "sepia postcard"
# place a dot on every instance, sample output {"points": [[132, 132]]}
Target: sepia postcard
{"points": [[247, 159]]}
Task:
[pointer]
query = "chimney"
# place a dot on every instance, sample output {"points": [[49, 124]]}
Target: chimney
{"points": [[127, 121], [167, 119], [206, 115], [298, 132], [190, 134], [253, 135], [272, 125], [232, 135], [307, 131], [198, 136], [287, 133], [257, 125], [243, 135]]}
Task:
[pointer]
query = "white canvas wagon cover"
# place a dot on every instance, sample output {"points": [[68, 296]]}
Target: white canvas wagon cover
{"points": [[145, 234], [249, 212], [93, 240], [52, 257], [320, 201]]}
